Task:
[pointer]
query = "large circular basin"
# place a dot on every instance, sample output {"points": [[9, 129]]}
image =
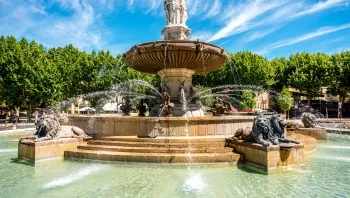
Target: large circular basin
{"points": [[154, 56]]}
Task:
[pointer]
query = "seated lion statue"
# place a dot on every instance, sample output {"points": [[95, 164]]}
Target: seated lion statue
{"points": [[278, 126], [265, 131], [49, 127], [309, 120], [262, 132]]}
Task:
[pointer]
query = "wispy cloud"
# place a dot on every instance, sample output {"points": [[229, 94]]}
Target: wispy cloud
{"points": [[261, 34], [247, 15], [214, 9], [241, 22], [320, 6], [320, 32]]}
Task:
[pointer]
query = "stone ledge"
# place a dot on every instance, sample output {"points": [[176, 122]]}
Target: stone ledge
{"points": [[317, 133], [49, 142], [270, 158], [38, 151]]}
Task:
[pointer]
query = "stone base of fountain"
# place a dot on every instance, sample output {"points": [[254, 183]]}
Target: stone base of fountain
{"points": [[156, 150], [37, 151], [103, 126], [317, 133], [269, 159], [176, 32]]}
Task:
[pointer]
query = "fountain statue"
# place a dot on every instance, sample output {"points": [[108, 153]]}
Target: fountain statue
{"points": [[221, 107], [176, 17], [309, 120], [126, 107], [167, 105], [176, 60], [142, 108], [266, 131], [51, 126]]}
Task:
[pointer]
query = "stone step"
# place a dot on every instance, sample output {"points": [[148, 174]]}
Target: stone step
{"points": [[162, 139], [152, 157], [156, 144], [155, 149]]}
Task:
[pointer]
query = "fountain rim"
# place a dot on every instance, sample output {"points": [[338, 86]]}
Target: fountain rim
{"points": [[192, 46], [175, 41]]}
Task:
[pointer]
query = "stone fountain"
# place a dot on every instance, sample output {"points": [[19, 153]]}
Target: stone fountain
{"points": [[176, 60], [177, 130]]}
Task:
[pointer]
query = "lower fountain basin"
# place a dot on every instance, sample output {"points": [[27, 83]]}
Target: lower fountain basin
{"points": [[194, 55], [101, 126]]}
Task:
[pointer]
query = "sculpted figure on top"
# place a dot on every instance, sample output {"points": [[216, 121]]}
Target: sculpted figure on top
{"points": [[175, 11]]}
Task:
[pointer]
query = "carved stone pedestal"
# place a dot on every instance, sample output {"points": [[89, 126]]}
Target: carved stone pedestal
{"points": [[173, 79], [269, 159], [37, 151], [177, 82], [176, 32]]}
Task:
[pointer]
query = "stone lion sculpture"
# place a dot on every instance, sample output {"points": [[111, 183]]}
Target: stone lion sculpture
{"points": [[261, 132], [49, 127], [278, 126], [309, 120], [265, 131], [294, 124]]}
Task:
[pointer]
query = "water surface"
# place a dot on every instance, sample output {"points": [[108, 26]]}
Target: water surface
{"points": [[327, 174]]}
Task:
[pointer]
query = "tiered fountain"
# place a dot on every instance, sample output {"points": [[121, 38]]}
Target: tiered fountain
{"points": [[178, 132], [183, 132], [176, 59]]}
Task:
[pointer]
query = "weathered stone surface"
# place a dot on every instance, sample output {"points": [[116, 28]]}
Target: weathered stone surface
{"points": [[36, 151], [155, 56], [156, 150], [153, 127], [317, 133], [270, 158]]}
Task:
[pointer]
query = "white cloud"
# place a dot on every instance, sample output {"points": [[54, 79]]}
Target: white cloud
{"points": [[261, 34], [320, 32], [242, 21], [247, 15], [37, 9], [214, 9], [320, 6]]}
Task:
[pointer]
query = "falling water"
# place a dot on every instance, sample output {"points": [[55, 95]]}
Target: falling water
{"points": [[187, 131], [165, 54], [133, 57], [184, 101]]}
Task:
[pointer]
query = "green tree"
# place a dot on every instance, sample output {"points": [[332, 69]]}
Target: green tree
{"points": [[341, 81], [248, 99], [309, 72], [241, 68], [285, 101], [281, 75]]}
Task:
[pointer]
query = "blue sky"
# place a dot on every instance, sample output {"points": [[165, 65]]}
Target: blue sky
{"points": [[272, 28]]}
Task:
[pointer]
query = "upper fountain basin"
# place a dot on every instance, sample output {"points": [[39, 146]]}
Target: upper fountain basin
{"points": [[198, 56]]}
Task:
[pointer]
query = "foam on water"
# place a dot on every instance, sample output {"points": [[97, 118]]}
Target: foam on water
{"points": [[334, 147], [81, 174], [331, 158], [194, 183], [7, 150]]}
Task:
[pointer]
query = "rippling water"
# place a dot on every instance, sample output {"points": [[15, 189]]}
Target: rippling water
{"points": [[327, 174]]}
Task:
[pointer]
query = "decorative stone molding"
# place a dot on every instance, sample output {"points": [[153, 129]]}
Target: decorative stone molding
{"points": [[176, 32]]}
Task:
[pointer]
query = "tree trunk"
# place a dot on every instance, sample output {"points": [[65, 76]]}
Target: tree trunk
{"points": [[29, 112]]}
